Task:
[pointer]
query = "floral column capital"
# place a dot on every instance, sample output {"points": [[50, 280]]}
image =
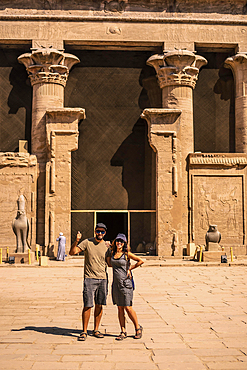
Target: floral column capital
{"points": [[238, 65], [177, 67], [48, 65]]}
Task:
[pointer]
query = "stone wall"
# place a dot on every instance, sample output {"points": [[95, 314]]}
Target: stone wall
{"points": [[111, 6], [217, 196], [18, 175]]}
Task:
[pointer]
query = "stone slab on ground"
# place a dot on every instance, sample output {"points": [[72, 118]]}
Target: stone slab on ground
{"points": [[193, 318]]}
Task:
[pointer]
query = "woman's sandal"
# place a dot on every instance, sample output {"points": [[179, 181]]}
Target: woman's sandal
{"points": [[98, 334], [83, 336], [122, 336], [139, 333]]}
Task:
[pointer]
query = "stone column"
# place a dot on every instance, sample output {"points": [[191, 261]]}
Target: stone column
{"points": [[48, 70], [177, 73], [238, 65], [163, 125], [62, 137]]}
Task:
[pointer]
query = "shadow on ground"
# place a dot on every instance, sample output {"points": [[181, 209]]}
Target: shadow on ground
{"points": [[54, 330]]}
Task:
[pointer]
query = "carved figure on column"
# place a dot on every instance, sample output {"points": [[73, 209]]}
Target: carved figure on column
{"points": [[20, 226]]}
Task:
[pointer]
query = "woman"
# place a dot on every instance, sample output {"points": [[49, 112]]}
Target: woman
{"points": [[122, 286]]}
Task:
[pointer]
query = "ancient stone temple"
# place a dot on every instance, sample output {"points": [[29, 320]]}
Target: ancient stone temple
{"points": [[132, 113]]}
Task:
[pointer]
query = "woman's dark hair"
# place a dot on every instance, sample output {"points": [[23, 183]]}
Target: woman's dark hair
{"points": [[114, 248]]}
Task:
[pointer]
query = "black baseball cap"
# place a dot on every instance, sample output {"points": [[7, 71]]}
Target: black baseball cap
{"points": [[101, 225]]}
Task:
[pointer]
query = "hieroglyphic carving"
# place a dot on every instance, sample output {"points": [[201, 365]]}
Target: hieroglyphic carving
{"points": [[17, 159], [18, 176], [114, 30], [218, 200], [114, 6], [53, 170], [174, 167], [230, 203]]}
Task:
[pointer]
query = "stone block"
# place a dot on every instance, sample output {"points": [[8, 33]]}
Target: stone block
{"points": [[43, 261], [22, 257], [213, 247], [191, 248], [212, 256]]}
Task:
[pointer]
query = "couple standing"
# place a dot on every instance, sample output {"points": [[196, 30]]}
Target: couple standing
{"points": [[95, 289]]}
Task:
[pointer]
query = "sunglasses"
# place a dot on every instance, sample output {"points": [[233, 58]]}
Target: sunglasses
{"points": [[100, 231], [120, 240]]}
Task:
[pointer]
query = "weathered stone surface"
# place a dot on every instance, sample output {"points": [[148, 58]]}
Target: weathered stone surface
{"points": [[18, 175], [62, 138], [193, 318], [177, 72], [191, 191], [217, 198], [48, 70]]}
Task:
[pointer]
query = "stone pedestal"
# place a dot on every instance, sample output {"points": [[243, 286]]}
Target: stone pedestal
{"points": [[173, 140], [22, 257], [211, 256], [48, 70], [213, 247]]}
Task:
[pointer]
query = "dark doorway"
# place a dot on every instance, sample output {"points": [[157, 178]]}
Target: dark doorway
{"points": [[116, 222], [214, 105], [15, 97]]}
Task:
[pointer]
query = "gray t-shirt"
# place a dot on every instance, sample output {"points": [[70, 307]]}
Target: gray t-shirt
{"points": [[95, 258]]}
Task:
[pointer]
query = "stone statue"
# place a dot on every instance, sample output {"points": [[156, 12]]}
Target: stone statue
{"points": [[20, 226], [212, 235]]}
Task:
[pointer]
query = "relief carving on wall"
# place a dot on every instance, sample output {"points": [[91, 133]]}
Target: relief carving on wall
{"points": [[114, 30], [114, 6], [218, 200]]}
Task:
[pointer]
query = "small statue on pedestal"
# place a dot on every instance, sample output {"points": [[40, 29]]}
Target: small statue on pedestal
{"points": [[20, 226], [213, 237]]}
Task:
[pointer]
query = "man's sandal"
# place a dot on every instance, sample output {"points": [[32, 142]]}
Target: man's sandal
{"points": [[139, 333], [82, 337], [122, 336], [98, 334]]}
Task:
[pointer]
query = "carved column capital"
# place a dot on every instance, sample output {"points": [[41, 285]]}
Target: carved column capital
{"points": [[48, 65], [238, 66], [177, 67]]}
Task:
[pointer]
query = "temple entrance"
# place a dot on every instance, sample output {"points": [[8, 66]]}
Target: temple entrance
{"points": [[137, 225], [113, 170], [116, 222]]}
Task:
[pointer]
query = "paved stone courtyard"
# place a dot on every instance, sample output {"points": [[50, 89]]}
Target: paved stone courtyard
{"points": [[194, 318]]}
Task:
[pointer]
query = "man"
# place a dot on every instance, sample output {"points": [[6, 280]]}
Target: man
{"points": [[95, 277]]}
